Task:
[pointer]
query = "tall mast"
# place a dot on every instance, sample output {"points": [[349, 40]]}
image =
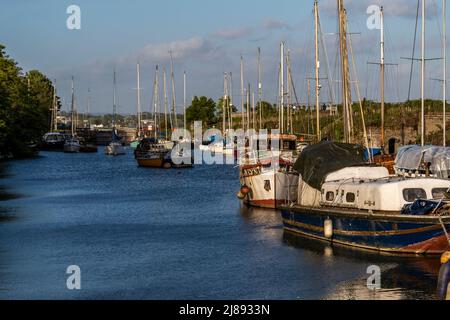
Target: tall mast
{"points": [[72, 108], [346, 103], [165, 101], [444, 83], [184, 100], [156, 101], [242, 93], [282, 87], [224, 104], [230, 95], [382, 79], [259, 89], [88, 108], [316, 27], [248, 106], [422, 86], [53, 119], [138, 74], [253, 111], [174, 103], [114, 100]]}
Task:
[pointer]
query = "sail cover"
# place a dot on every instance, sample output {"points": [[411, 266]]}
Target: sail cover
{"points": [[410, 158], [318, 160]]}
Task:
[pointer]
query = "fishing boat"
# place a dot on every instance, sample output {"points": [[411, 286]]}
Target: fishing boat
{"points": [[115, 148], [344, 200], [53, 141], [72, 144], [267, 177]]}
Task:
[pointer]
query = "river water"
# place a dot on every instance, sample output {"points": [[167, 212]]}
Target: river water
{"points": [[169, 234]]}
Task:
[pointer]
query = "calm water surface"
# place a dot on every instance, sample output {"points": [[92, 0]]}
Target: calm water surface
{"points": [[169, 234]]}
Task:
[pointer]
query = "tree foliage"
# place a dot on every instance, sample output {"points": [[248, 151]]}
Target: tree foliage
{"points": [[202, 109], [25, 103]]}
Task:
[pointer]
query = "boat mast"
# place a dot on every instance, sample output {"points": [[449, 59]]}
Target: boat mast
{"points": [[230, 105], [88, 108], [248, 106], [444, 83], [156, 101], [174, 103], [346, 97], [282, 87], [184, 101], [72, 108], [138, 69], [316, 28], [259, 89], [382, 80], [224, 104], [114, 103], [53, 127], [166, 102], [422, 85], [242, 94]]}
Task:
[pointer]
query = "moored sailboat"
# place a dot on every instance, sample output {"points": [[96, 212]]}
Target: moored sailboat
{"points": [[115, 148], [72, 144]]}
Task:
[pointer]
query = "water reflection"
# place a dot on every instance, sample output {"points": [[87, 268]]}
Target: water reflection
{"points": [[402, 277]]}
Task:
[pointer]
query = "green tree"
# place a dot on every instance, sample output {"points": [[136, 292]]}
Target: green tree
{"points": [[25, 102], [202, 109]]}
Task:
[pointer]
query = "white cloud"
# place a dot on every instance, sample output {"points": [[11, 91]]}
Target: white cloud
{"points": [[233, 33], [181, 49], [275, 24]]}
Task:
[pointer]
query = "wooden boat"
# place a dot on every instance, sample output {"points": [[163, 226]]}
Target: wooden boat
{"points": [[343, 201], [152, 153], [267, 186]]}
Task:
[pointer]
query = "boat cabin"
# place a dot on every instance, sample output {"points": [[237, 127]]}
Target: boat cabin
{"points": [[376, 192]]}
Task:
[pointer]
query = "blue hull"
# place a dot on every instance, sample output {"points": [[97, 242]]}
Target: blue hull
{"points": [[381, 232]]}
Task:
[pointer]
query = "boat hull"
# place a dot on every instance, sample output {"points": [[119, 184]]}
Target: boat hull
{"points": [[150, 163], [71, 149], [269, 189], [420, 235]]}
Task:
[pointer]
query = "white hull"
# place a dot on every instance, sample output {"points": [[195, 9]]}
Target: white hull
{"points": [[270, 189], [115, 149], [72, 146]]}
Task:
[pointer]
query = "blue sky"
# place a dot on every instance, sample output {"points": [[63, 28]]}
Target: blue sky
{"points": [[207, 38]]}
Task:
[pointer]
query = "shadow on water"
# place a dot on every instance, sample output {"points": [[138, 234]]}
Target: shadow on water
{"points": [[6, 212], [402, 277]]}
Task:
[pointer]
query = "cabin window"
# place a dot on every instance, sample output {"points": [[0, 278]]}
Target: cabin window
{"points": [[438, 193], [350, 197], [330, 196], [413, 194]]}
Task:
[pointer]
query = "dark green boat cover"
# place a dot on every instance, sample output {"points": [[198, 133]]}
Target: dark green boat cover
{"points": [[318, 160]]}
